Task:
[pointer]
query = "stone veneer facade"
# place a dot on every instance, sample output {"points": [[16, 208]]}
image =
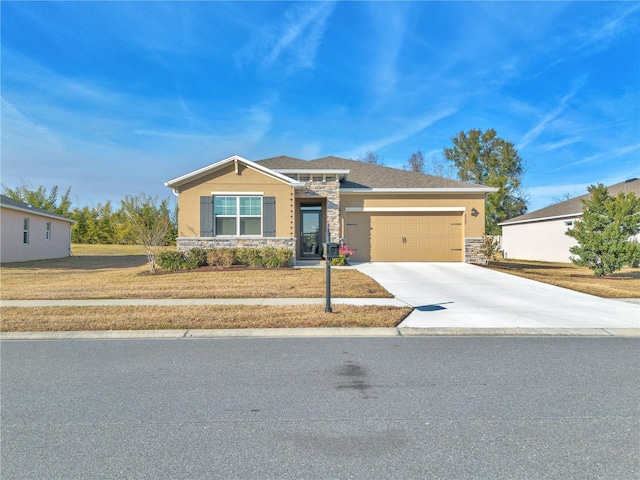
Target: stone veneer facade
{"points": [[331, 192], [187, 243], [472, 251]]}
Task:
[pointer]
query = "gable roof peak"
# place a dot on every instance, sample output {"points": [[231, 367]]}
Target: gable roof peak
{"points": [[189, 177]]}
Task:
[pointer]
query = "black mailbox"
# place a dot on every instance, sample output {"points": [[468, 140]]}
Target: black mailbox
{"points": [[330, 250]]}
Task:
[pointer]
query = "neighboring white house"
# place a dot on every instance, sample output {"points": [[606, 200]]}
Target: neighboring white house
{"points": [[28, 233], [540, 235]]}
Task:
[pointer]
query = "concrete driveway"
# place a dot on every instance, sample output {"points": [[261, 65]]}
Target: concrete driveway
{"points": [[459, 295]]}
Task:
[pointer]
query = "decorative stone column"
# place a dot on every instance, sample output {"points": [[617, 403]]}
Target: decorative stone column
{"points": [[472, 251], [331, 192]]}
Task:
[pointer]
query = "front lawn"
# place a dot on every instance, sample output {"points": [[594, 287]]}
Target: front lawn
{"points": [[43, 319], [112, 271], [624, 284]]}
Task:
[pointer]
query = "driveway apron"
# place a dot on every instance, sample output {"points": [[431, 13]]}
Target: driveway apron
{"points": [[459, 295]]}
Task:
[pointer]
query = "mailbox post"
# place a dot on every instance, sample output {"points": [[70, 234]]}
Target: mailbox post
{"points": [[330, 250]]}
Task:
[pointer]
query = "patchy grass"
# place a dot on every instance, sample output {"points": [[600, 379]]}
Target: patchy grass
{"points": [[624, 284], [116, 271], [79, 249], [42, 319]]}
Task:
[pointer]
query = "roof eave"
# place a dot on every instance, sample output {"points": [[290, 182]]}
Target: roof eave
{"points": [[419, 190], [541, 219], [36, 212]]}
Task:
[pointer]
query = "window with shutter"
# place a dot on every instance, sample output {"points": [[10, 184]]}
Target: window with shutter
{"points": [[206, 216]]}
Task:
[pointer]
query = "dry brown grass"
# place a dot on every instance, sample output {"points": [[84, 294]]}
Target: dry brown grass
{"points": [[40, 319], [97, 272], [624, 284]]}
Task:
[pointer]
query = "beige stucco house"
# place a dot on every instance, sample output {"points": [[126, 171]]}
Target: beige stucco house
{"points": [[540, 235], [382, 213], [28, 233]]}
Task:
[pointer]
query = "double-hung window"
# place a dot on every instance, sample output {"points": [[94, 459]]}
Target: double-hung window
{"points": [[237, 215], [47, 233]]}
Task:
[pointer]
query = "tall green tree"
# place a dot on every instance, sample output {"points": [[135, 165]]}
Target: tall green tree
{"points": [[150, 219], [39, 197], [486, 159], [604, 234]]}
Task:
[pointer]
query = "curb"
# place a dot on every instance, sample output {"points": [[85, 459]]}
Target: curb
{"points": [[321, 333]]}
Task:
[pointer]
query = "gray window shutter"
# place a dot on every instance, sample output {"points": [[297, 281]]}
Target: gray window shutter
{"points": [[269, 216], [206, 216]]}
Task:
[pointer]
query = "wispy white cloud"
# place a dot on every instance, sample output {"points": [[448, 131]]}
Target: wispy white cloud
{"points": [[534, 132], [390, 24], [609, 155], [598, 38], [408, 129], [295, 41], [549, 147]]}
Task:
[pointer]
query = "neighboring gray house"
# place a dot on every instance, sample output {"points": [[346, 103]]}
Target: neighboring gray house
{"points": [[540, 235], [28, 233]]}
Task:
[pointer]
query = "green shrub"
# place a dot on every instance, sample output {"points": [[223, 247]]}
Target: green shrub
{"points": [[220, 257], [490, 247], [172, 260], [339, 261], [249, 257], [285, 256], [196, 257]]}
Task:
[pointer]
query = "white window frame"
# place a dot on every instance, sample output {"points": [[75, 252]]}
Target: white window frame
{"points": [[25, 231], [237, 215], [47, 232]]}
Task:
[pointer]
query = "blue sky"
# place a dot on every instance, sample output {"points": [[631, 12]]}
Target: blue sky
{"points": [[115, 98]]}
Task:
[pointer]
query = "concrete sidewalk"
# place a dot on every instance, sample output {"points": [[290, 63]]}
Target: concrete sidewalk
{"points": [[174, 302], [470, 325]]}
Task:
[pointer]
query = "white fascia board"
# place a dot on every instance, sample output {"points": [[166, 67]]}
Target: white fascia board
{"points": [[41, 214], [312, 171], [363, 191], [542, 219], [245, 194], [405, 209], [176, 182]]}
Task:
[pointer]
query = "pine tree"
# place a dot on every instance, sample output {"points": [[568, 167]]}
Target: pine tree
{"points": [[605, 232]]}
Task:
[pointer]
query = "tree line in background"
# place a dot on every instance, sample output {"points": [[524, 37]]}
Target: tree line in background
{"points": [[136, 217]]}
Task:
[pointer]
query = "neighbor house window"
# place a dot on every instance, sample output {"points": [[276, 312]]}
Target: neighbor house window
{"points": [[47, 234], [25, 231], [237, 215]]}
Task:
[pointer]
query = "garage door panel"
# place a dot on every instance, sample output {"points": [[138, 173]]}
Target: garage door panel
{"points": [[429, 237]]}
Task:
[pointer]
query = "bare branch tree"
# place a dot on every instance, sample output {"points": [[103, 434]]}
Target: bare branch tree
{"points": [[151, 222], [415, 163], [439, 166], [370, 157]]}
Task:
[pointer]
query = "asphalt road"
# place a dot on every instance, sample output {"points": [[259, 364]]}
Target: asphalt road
{"points": [[418, 407]]}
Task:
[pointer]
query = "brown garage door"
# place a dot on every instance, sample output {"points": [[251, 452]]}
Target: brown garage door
{"points": [[404, 237]]}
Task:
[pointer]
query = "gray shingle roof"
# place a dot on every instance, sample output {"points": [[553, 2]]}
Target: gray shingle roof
{"points": [[9, 202], [365, 175], [573, 206]]}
